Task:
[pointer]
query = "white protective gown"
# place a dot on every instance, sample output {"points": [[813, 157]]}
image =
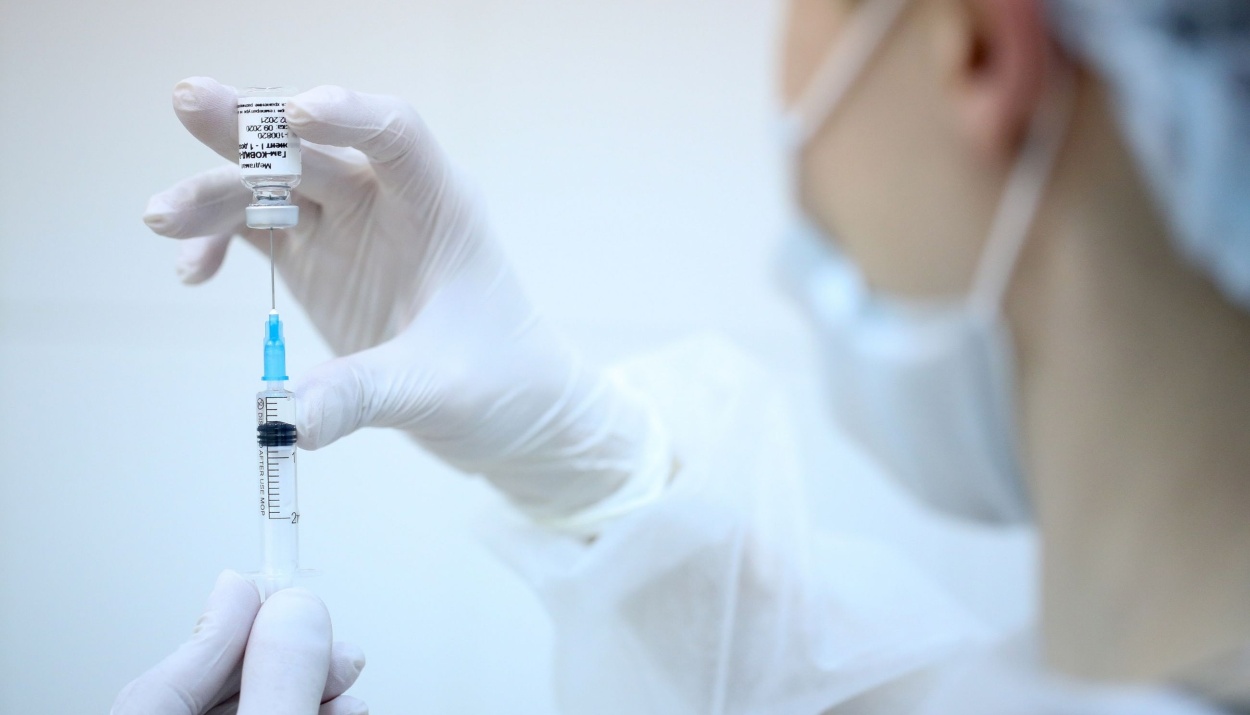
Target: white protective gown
{"points": [[721, 599]]}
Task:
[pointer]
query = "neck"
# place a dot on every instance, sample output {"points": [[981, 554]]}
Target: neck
{"points": [[1136, 399]]}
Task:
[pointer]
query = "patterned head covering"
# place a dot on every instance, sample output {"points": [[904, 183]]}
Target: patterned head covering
{"points": [[1180, 73]]}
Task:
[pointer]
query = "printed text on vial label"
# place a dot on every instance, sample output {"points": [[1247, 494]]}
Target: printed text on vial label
{"points": [[266, 146]]}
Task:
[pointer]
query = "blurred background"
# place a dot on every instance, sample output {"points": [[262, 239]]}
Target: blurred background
{"points": [[625, 150]]}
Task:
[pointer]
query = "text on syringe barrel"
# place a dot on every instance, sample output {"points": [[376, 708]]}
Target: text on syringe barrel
{"points": [[278, 497], [277, 470]]}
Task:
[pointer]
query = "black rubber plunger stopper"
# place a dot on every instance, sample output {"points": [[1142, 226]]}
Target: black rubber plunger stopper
{"points": [[275, 434]]}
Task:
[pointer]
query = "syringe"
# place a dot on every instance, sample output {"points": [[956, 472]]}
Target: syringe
{"points": [[270, 165], [275, 435]]}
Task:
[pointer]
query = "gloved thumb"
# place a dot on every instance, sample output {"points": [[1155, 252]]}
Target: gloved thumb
{"points": [[378, 387], [288, 656], [203, 670]]}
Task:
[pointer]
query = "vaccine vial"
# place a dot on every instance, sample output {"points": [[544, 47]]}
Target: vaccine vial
{"points": [[269, 157]]}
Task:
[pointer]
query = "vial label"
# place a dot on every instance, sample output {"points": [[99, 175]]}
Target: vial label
{"points": [[266, 146]]}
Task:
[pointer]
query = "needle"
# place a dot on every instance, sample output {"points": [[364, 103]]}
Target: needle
{"points": [[273, 296]]}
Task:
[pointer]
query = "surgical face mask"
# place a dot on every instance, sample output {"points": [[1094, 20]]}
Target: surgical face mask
{"points": [[926, 386]]}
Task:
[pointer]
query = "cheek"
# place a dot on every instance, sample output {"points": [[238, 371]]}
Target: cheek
{"points": [[888, 176], [811, 30]]}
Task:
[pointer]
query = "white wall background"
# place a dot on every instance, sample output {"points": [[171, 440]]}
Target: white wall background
{"points": [[624, 148]]}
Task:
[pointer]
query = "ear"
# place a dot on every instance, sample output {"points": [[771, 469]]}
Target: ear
{"points": [[994, 54]]}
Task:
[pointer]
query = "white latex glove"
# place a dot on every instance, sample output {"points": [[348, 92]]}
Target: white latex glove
{"points": [[275, 659], [397, 269]]}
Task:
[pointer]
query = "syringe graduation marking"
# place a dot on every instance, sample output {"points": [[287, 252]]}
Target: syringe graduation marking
{"points": [[274, 480]]}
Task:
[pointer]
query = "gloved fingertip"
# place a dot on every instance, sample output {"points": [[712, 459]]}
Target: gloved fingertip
{"points": [[331, 401], [310, 415], [158, 222], [200, 258], [353, 653], [347, 660], [296, 114], [299, 593], [229, 586], [298, 604], [189, 93], [189, 266], [229, 577], [308, 107], [229, 580], [307, 433], [188, 272], [157, 214], [344, 705]]}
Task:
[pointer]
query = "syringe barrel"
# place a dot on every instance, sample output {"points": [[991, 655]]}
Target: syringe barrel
{"points": [[275, 404], [278, 489]]}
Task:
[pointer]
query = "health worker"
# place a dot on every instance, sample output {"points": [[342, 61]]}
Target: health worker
{"points": [[1022, 240]]}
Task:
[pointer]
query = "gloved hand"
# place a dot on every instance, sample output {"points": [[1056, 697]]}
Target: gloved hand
{"points": [[275, 659], [395, 265]]}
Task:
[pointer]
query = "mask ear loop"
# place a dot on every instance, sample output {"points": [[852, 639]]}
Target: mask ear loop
{"points": [[1022, 196], [840, 69]]}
